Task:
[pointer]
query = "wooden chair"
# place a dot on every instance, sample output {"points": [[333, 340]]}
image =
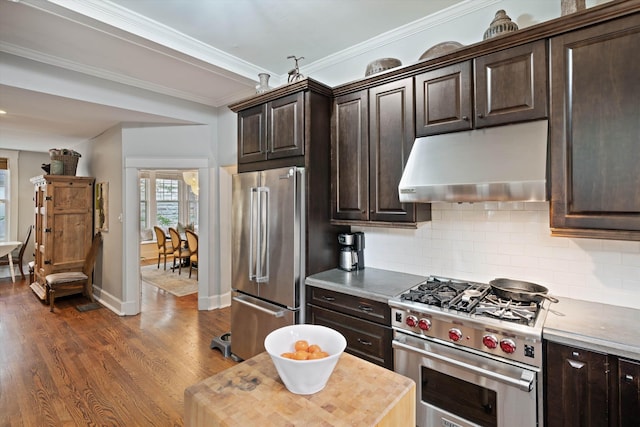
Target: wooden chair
{"points": [[20, 254], [163, 249], [179, 252], [70, 282], [192, 244]]}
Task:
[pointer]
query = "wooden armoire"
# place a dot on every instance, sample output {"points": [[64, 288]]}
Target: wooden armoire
{"points": [[64, 209]]}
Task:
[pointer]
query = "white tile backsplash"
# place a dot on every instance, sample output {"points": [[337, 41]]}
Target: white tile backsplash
{"points": [[482, 241]]}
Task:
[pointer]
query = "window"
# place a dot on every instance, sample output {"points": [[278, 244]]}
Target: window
{"points": [[167, 202], [4, 198], [166, 199], [144, 204]]}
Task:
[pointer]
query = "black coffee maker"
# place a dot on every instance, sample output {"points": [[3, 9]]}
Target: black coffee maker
{"points": [[351, 251]]}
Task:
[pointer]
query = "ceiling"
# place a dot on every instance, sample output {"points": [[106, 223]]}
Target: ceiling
{"points": [[204, 51]]}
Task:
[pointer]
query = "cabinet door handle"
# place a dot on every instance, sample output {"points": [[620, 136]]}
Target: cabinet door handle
{"points": [[480, 115], [363, 342], [465, 118], [365, 308], [326, 298], [628, 378], [575, 364]]}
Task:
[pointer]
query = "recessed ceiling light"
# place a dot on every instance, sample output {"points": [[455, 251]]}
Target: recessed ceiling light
{"points": [[2, 112]]}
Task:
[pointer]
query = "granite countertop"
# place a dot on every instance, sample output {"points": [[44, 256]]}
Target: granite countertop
{"points": [[593, 326], [372, 283]]}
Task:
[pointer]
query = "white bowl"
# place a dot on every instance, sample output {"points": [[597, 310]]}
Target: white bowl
{"points": [[305, 376]]}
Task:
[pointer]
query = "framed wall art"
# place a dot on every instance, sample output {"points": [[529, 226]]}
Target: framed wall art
{"points": [[102, 206]]}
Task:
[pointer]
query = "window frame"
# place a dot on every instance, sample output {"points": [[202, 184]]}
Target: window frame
{"points": [[12, 197]]}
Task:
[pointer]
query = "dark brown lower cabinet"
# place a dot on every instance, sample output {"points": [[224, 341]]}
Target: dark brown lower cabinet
{"points": [[365, 324], [628, 393], [577, 387], [586, 388]]}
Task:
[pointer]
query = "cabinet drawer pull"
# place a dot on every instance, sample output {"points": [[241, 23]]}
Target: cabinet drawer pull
{"points": [[363, 342], [575, 364], [327, 298], [628, 378], [366, 308]]}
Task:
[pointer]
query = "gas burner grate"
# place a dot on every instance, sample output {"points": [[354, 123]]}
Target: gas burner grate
{"points": [[435, 291], [509, 310]]}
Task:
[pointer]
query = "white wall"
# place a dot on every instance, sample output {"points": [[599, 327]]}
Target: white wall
{"points": [[483, 241], [102, 159], [179, 147]]}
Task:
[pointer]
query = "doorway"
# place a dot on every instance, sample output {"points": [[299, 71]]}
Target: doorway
{"points": [[132, 293], [168, 214]]}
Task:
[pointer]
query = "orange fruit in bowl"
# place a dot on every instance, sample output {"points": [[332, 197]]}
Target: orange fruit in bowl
{"points": [[318, 355], [313, 348], [300, 355], [301, 345]]}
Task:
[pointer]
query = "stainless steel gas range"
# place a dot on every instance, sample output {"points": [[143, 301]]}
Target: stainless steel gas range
{"points": [[476, 359]]}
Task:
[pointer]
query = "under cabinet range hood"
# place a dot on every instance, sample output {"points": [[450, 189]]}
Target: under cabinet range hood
{"points": [[503, 163]]}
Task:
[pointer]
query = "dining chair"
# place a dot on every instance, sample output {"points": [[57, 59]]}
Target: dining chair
{"points": [[179, 252], [70, 282], [20, 255], [164, 247], [192, 244]]}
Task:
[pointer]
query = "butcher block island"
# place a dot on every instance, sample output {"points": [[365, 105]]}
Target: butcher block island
{"points": [[251, 393]]}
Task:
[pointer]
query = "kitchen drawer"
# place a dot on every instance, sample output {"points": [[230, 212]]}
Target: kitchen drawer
{"points": [[367, 340], [360, 307]]}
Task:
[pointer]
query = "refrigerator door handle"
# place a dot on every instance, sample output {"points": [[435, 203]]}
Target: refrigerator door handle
{"points": [[252, 219], [262, 273], [240, 300]]}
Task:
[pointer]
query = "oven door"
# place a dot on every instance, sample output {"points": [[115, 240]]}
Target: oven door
{"points": [[457, 387]]}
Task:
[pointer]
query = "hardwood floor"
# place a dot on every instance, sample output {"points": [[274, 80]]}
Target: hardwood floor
{"points": [[97, 368]]}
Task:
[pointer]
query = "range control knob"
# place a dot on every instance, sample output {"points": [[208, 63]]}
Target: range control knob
{"points": [[508, 346], [490, 341], [411, 321], [455, 334], [424, 324]]}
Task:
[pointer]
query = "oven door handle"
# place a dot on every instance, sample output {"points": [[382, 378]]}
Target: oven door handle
{"points": [[524, 383]]}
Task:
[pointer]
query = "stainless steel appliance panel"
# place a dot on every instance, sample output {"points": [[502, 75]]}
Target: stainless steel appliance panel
{"points": [[244, 230], [510, 391], [281, 236], [253, 319]]}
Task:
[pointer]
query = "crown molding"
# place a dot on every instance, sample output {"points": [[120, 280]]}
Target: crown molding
{"points": [[415, 27], [121, 18], [106, 75]]}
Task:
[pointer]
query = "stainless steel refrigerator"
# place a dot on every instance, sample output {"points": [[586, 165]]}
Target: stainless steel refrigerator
{"points": [[268, 232]]}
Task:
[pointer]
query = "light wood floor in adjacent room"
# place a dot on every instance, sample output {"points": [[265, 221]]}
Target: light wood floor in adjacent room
{"points": [[76, 368]]}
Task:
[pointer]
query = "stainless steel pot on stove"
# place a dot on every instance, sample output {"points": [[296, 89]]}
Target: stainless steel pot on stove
{"points": [[518, 290]]}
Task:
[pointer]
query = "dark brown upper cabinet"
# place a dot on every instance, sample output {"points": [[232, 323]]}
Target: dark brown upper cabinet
{"points": [[372, 135], [350, 157], [391, 136], [273, 130], [511, 85], [444, 100], [595, 131], [503, 87]]}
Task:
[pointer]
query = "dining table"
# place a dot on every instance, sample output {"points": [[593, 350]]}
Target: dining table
{"points": [[5, 249]]}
